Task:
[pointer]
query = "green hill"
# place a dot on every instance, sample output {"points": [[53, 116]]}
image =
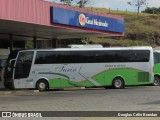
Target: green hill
{"points": [[141, 29]]}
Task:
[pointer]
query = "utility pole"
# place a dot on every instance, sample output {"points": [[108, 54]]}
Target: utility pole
{"points": [[82, 3]]}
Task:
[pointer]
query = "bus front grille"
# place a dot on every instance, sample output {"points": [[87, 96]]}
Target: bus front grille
{"points": [[143, 76]]}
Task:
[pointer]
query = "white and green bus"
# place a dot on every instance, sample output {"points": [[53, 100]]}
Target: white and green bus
{"points": [[79, 67], [157, 67]]}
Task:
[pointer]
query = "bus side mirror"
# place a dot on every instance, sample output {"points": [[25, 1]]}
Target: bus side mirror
{"points": [[11, 63]]}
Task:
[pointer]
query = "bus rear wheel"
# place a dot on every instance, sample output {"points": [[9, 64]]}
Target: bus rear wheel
{"points": [[156, 81], [118, 83], [42, 85]]}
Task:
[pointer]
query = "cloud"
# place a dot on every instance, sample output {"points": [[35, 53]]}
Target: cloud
{"points": [[113, 4], [153, 3], [101, 3], [122, 4], [117, 4]]}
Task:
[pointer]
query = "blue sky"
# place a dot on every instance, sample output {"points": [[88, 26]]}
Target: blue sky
{"points": [[122, 4], [118, 4]]}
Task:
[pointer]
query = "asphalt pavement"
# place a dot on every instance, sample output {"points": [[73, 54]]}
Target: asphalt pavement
{"points": [[136, 98]]}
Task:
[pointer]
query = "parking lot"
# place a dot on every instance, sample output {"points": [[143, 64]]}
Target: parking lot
{"points": [[135, 98]]}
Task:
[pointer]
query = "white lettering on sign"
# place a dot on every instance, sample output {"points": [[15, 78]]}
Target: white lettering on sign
{"points": [[83, 20], [96, 22]]}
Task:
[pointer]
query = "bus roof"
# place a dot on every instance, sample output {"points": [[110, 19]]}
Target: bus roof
{"points": [[158, 51], [83, 49], [86, 46]]}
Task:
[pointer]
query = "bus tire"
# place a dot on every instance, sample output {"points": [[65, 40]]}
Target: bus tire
{"points": [[118, 83], [156, 81], [42, 85]]}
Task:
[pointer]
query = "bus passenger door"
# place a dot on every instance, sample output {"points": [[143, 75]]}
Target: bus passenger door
{"points": [[22, 70]]}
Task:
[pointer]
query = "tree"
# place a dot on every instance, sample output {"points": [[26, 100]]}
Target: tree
{"points": [[152, 10], [82, 3], [67, 2], [138, 4]]}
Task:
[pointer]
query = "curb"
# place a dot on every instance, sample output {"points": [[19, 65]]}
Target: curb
{"points": [[8, 92], [74, 88]]}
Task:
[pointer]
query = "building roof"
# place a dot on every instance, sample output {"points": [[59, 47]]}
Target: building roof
{"points": [[32, 18]]}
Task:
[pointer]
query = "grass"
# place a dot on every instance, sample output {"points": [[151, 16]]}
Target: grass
{"points": [[141, 29], [122, 43]]}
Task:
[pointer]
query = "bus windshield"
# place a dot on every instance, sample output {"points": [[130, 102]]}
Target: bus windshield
{"points": [[156, 57], [23, 64]]}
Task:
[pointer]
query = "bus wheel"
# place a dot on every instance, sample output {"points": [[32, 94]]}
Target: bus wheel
{"points": [[118, 83], [42, 85], [156, 81]]}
